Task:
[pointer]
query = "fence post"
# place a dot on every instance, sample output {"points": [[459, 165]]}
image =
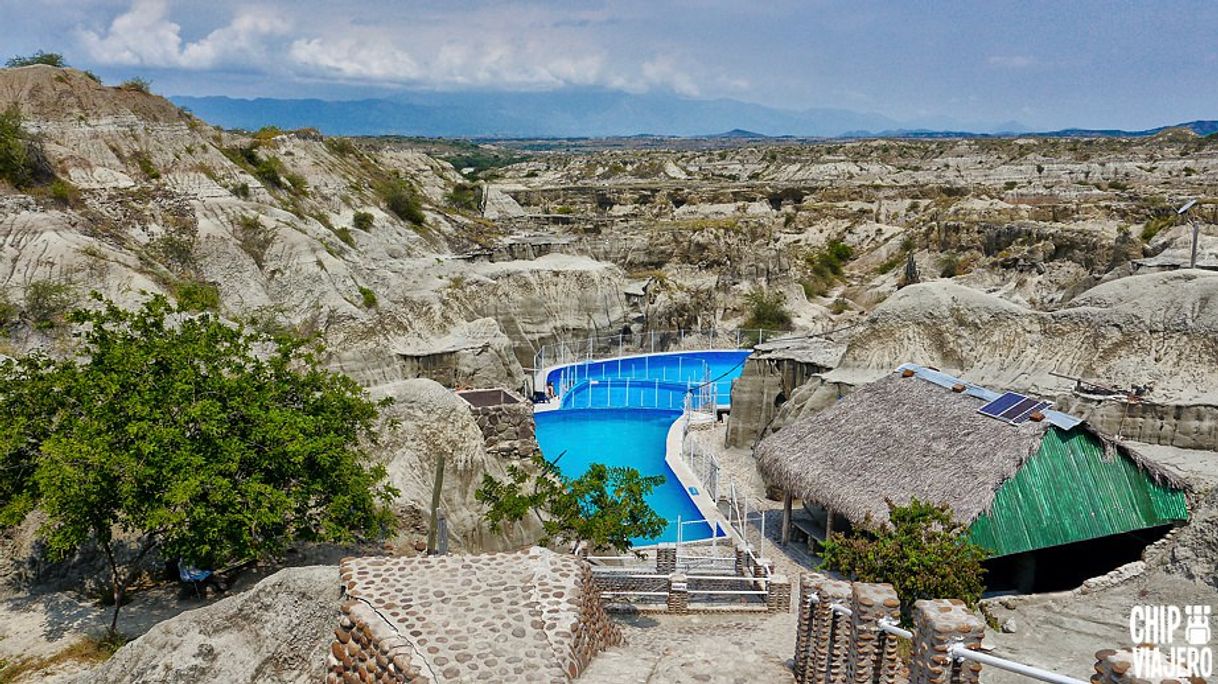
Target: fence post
{"points": [[938, 625], [873, 652], [678, 594], [822, 642]]}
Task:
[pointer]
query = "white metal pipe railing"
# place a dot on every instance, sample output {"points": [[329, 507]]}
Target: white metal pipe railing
{"points": [[890, 626], [960, 652]]}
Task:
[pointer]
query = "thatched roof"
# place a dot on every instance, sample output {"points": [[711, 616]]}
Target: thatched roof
{"points": [[900, 438]]}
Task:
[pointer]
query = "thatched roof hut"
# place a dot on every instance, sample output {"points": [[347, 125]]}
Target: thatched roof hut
{"points": [[918, 434]]}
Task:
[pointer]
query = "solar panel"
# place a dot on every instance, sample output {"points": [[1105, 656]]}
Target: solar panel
{"points": [[1013, 408], [995, 408]]}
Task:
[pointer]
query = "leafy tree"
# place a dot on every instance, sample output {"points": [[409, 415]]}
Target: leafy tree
{"points": [[185, 436], [49, 58], [605, 507], [923, 554], [137, 84]]}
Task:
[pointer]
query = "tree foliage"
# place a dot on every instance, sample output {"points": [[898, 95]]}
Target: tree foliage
{"points": [[49, 58], [605, 507], [923, 554], [188, 436]]}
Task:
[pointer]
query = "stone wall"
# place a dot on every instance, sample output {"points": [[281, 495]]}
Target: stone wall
{"points": [[493, 617], [508, 429]]}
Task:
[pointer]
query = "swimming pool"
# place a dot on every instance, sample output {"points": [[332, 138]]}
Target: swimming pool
{"points": [[619, 412]]}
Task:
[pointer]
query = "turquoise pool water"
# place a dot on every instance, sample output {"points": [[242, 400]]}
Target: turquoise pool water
{"points": [[628, 423]]}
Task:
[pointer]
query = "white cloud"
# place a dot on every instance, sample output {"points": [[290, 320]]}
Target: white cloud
{"points": [[143, 36], [517, 46]]}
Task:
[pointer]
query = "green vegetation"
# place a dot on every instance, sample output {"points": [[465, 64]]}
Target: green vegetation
{"points": [[1156, 225], [64, 192], [137, 84], [173, 430], [767, 310], [362, 220], [949, 265], [839, 305], [254, 238], [47, 302], [195, 295], [464, 196], [241, 190], [474, 161], [344, 235], [825, 267], [49, 58], [146, 167], [16, 163], [604, 508], [923, 554], [368, 296], [401, 200], [342, 147], [266, 168]]}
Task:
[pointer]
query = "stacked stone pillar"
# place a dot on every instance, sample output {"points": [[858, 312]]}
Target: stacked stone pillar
{"points": [[666, 560], [822, 646], [778, 594], [873, 652], [940, 624], [678, 594]]}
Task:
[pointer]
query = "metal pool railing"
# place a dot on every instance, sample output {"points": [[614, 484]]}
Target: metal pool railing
{"points": [[598, 347]]}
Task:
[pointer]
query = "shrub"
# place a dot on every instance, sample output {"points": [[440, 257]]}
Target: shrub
{"points": [[368, 296], [63, 192], [341, 146], [47, 301], [362, 220], [254, 238], [838, 306], [924, 554], [767, 310], [1156, 225], [137, 84], [825, 267], [241, 190], [16, 166], [194, 295], [1010, 185], [344, 234], [146, 167], [94, 77], [400, 199], [464, 196], [949, 265], [49, 58]]}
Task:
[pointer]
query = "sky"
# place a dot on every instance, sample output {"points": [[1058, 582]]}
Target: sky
{"points": [[1044, 64]]}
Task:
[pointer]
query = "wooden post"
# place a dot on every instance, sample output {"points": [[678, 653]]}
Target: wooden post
{"points": [[828, 523], [786, 518], [435, 506]]}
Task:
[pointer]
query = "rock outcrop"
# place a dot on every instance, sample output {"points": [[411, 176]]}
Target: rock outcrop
{"points": [[277, 632]]}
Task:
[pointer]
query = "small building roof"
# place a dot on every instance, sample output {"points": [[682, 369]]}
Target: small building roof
{"points": [[905, 437]]}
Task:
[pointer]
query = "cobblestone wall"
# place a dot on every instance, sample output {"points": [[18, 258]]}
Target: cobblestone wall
{"points": [[495, 617]]}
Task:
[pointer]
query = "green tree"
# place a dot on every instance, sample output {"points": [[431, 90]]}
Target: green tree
{"points": [[923, 553], [186, 436], [16, 166], [49, 58], [605, 507]]}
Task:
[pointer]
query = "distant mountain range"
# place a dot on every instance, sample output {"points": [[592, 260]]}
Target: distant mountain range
{"points": [[581, 113]]}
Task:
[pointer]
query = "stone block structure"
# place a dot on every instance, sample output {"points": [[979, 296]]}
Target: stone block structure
{"points": [[873, 652], [940, 624], [506, 421], [822, 644], [531, 615]]}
